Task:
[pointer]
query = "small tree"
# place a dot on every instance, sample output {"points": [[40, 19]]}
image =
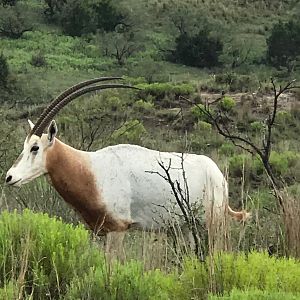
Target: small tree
{"points": [[228, 129], [119, 45], [81, 17], [199, 50], [12, 24], [53, 7], [284, 44], [8, 2]]}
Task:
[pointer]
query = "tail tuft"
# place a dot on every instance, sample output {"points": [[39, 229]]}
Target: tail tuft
{"points": [[241, 216]]}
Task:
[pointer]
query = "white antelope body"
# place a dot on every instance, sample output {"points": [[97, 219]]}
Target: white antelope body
{"points": [[117, 186]]}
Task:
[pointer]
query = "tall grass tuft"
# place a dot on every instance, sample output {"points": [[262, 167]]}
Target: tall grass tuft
{"points": [[291, 222]]}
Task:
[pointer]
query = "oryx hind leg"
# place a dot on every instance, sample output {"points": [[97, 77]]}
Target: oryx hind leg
{"points": [[114, 245]]}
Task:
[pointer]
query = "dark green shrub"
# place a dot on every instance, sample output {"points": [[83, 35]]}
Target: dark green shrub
{"points": [[198, 112], [8, 2], [244, 83], [4, 70], [53, 7], [199, 50], [13, 23], [226, 78], [38, 60], [227, 149], [284, 43], [81, 17], [237, 164]]}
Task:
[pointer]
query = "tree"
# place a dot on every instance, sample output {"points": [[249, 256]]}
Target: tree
{"points": [[119, 45], [199, 50], [8, 2], [54, 7], [227, 127], [81, 17], [12, 23], [284, 44]]}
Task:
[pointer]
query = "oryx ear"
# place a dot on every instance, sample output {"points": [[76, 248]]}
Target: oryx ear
{"points": [[30, 124], [52, 131]]}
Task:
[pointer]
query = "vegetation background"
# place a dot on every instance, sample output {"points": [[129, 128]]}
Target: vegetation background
{"points": [[200, 50]]}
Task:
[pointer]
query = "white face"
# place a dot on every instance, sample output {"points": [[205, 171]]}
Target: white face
{"points": [[32, 161]]}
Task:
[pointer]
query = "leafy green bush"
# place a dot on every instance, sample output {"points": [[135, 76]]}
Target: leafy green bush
{"points": [[227, 149], [240, 271], [198, 112], [51, 252], [160, 90], [131, 132], [227, 103], [203, 126], [256, 126], [50, 259], [283, 164], [143, 106], [128, 281], [238, 163], [113, 103]]}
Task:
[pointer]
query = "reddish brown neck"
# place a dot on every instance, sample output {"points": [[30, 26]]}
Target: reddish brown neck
{"points": [[71, 175]]}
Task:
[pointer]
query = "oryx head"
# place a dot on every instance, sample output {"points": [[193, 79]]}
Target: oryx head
{"points": [[32, 161]]}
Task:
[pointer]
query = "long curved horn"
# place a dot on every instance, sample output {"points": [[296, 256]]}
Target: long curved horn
{"points": [[40, 129], [66, 93]]}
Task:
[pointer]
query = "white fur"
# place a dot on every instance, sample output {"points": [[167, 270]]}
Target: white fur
{"points": [[128, 177], [130, 181]]}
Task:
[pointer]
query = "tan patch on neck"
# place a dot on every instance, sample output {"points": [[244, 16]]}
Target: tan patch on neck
{"points": [[70, 173]]}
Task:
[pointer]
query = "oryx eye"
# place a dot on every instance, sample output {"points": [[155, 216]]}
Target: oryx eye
{"points": [[34, 148]]}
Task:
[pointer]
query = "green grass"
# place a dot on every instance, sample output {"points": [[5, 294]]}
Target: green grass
{"points": [[44, 256], [256, 295]]}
